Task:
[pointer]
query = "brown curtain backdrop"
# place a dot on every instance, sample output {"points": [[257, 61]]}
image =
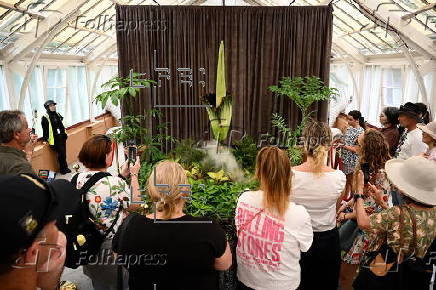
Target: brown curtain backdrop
{"points": [[262, 45]]}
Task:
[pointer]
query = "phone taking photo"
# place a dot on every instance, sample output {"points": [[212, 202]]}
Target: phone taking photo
{"points": [[365, 169], [132, 154]]}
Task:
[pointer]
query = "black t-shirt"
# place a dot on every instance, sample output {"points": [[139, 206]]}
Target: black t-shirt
{"points": [[174, 256]]}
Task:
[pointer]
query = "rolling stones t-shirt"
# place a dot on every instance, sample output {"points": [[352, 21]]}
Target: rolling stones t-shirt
{"points": [[269, 247]]}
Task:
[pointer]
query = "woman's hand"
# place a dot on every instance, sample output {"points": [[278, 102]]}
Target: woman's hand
{"points": [[134, 170], [378, 195], [125, 170], [341, 217]]}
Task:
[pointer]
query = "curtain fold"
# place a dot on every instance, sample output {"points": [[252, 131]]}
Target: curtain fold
{"points": [[262, 45]]}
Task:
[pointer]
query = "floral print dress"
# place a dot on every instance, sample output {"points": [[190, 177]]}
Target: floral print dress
{"points": [[104, 200], [384, 228], [356, 253], [349, 158]]}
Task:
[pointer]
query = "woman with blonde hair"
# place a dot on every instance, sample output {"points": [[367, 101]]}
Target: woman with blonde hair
{"points": [[318, 188], [168, 249], [272, 230]]}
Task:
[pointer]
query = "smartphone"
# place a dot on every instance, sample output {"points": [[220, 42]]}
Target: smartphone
{"points": [[33, 131], [365, 169], [132, 154]]}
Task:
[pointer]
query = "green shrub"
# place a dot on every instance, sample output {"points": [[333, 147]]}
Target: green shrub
{"points": [[245, 152]]}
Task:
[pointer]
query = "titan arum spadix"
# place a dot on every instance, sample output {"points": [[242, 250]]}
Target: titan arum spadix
{"points": [[220, 114]]}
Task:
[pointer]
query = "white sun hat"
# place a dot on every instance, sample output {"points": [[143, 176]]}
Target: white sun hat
{"points": [[415, 177], [430, 129]]}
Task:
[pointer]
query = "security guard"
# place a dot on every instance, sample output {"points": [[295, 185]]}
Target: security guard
{"points": [[54, 134]]}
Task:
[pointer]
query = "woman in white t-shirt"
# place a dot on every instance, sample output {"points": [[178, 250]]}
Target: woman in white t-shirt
{"points": [[272, 230], [318, 188]]}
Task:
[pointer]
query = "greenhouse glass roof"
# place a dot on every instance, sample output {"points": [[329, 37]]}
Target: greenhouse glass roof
{"points": [[84, 28]]}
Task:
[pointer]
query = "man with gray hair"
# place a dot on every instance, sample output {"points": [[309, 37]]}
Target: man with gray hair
{"points": [[15, 135]]}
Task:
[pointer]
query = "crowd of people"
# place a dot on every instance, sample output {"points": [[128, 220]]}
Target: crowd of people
{"points": [[358, 213]]}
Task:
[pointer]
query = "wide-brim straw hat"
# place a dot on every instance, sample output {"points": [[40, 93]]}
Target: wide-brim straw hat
{"points": [[415, 177], [430, 129]]}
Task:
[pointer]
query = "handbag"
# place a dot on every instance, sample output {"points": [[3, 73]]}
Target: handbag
{"points": [[348, 232], [380, 265]]}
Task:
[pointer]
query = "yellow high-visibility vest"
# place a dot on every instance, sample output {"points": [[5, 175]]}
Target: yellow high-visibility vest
{"points": [[50, 131]]}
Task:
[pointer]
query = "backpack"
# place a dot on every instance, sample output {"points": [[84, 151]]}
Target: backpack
{"points": [[84, 240]]}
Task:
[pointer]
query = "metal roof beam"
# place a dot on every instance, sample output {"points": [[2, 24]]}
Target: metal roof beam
{"points": [[81, 28], [21, 10], [420, 10], [383, 11], [26, 43], [349, 50]]}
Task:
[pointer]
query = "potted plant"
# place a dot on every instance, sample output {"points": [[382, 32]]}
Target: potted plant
{"points": [[132, 128], [121, 89], [303, 91]]}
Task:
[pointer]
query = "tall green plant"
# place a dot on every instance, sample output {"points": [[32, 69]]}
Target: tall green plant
{"points": [[120, 89], [303, 91]]}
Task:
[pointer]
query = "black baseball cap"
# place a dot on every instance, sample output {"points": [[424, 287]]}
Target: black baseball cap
{"points": [[410, 109], [48, 103], [28, 204]]}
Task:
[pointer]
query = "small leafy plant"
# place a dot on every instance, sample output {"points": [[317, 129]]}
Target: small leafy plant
{"points": [[245, 152], [187, 154]]}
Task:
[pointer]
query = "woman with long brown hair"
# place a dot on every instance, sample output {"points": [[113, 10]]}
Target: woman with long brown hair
{"points": [[272, 230], [374, 153], [318, 188]]}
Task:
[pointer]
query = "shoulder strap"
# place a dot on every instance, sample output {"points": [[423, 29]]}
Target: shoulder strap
{"points": [[93, 180], [401, 227], [74, 180], [413, 218], [115, 221]]}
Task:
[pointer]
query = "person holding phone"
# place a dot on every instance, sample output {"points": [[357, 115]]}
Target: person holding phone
{"points": [[54, 134], [374, 153], [105, 198]]}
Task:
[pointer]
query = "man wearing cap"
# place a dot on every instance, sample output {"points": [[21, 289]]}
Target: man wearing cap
{"points": [[429, 138], [15, 138], [33, 249], [54, 134], [411, 140]]}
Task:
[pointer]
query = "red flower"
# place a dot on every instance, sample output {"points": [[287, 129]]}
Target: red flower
{"points": [[98, 199]]}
